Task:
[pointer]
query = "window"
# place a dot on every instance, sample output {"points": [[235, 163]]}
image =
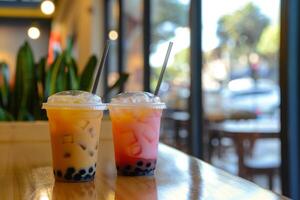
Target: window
{"points": [[240, 75], [170, 22]]}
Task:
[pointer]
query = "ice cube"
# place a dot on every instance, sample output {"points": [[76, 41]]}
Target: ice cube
{"points": [[148, 131], [135, 149], [91, 132], [83, 124], [68, 139]]}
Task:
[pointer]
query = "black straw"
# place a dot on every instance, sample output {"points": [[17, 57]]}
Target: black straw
{"points": [[102, 63], [163, 69]]}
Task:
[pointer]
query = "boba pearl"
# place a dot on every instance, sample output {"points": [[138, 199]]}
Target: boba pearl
{"points": [[91, 169], [73, 174], [68, 176], [142, 167], [77, 177], [87, 177], [128, 167], [58, 173], [70, 170], [82, 171], [140, 163]]}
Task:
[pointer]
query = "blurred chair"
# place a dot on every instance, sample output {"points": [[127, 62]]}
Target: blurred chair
{"points": [[215, 136], [265, 160]]}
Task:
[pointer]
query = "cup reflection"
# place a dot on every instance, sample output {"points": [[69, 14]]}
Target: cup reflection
{"points": [[82, 191], [144, 188]]}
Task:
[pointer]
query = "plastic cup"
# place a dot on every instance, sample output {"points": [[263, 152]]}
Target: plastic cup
{"points": [[136, 129], [74, 130]]}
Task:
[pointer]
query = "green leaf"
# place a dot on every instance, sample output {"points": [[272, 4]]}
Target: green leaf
{"points": [[55, 76], [18, 88], [5, 116], [25, 94], [4, 85], [86, 78], [72, 78], [41, 76], [29, 97], [48, 78]]}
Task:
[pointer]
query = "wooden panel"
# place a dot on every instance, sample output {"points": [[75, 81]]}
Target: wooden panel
{"points": [[39, 131]]}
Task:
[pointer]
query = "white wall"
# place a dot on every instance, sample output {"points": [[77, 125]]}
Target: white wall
{"points": [[84, 20], [13, 35]]}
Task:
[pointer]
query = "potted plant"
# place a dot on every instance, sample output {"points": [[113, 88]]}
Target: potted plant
{"points": [[34, 82]]}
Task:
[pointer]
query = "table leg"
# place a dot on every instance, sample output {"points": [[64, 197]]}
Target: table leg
{"points": [[239, 146]]}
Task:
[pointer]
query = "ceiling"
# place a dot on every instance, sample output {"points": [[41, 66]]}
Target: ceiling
{"points": [[20, 3]]}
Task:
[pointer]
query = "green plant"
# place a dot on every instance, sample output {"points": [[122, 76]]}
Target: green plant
{"points": [[4, 93], [33, 83]]}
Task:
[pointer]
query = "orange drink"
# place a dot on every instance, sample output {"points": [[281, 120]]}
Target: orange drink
{"points": [[75, 121]]}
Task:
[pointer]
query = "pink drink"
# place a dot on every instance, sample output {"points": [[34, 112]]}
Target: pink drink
{"points": [[136, 134]]}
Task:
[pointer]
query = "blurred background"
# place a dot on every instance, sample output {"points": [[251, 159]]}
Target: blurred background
{"points": [[50, 46]]}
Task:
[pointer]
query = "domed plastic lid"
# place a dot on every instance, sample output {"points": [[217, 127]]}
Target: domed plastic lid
{"points": [[143, 99], [74, 99]]}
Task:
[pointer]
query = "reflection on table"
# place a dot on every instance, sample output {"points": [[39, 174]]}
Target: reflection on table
{"points": [[82, 191]]}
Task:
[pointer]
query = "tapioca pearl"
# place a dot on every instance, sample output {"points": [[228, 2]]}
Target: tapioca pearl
{"points": [[125, 173], [87, 177], [91, 169], [82, 171], [150, 173], [93, 174], [150, 170], [58, 173], [127, 167], [70, 170], [77, 177], [131, 173], [137, 169], [139, 163], [67, 155], [148, 164], [68, 176]]}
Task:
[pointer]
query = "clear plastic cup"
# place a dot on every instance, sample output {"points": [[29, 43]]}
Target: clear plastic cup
{"points": [[136, 121], [74, 121]]}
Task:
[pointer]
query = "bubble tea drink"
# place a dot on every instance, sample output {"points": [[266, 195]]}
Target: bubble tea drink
{"points": [[136, 124], [74, 120]]}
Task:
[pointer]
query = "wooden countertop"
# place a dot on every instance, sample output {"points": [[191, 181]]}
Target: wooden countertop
{"points": [[26, 173]]}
